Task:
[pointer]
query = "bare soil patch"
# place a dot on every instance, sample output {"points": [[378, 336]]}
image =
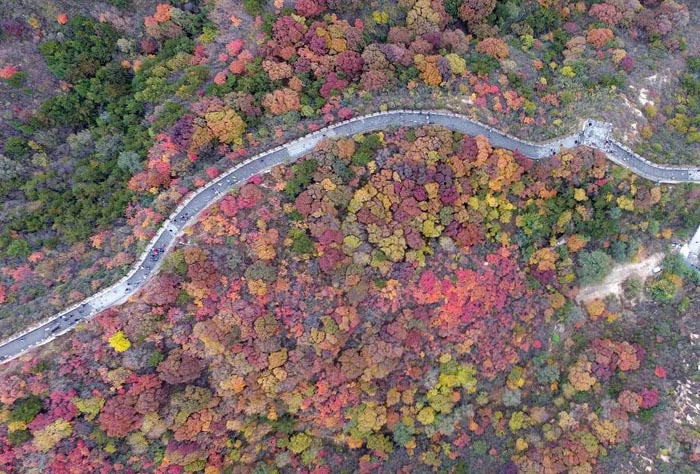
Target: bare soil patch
{"points": [[612, 284]]}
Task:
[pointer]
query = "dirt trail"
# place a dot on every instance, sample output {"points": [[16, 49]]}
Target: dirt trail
{"points": [[612, 284]]}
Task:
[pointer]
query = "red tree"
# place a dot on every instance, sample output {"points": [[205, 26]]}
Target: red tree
{"points": [[118, 416], [180, 367], [310, 8]]}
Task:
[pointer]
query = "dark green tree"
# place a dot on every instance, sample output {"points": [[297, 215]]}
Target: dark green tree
{"points": [[88, 44], [25, 409], [593, 266]]}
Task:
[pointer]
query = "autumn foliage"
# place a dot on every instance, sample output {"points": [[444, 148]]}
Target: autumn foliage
{"points": [[493, 47], [386, 260], [398, 301]]}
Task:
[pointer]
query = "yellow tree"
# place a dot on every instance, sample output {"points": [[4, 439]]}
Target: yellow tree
{"points": [[421, 18], [47, 437], [226, 126], [580, 375], [429, 72], [119, 342], [458, 65], [215, 121]]}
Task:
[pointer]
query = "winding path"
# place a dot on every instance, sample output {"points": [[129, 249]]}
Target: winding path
{"points": [[593, 134]]}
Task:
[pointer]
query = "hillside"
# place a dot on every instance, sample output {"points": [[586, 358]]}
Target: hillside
{"points": [[394, 301], [398, 301]]}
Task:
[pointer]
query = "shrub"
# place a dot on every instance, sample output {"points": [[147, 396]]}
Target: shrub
{"points": [[16, 147], [632, 287], [662, 290], [18, 248], [254, 7], [547, 374], [482, 63], [119, 3], [511, 398], [402, 433], [544, 20], [674, 263], [17, 79], [18, 437], [130, 162], [9, 169], [303, 173], [301, 243]]}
